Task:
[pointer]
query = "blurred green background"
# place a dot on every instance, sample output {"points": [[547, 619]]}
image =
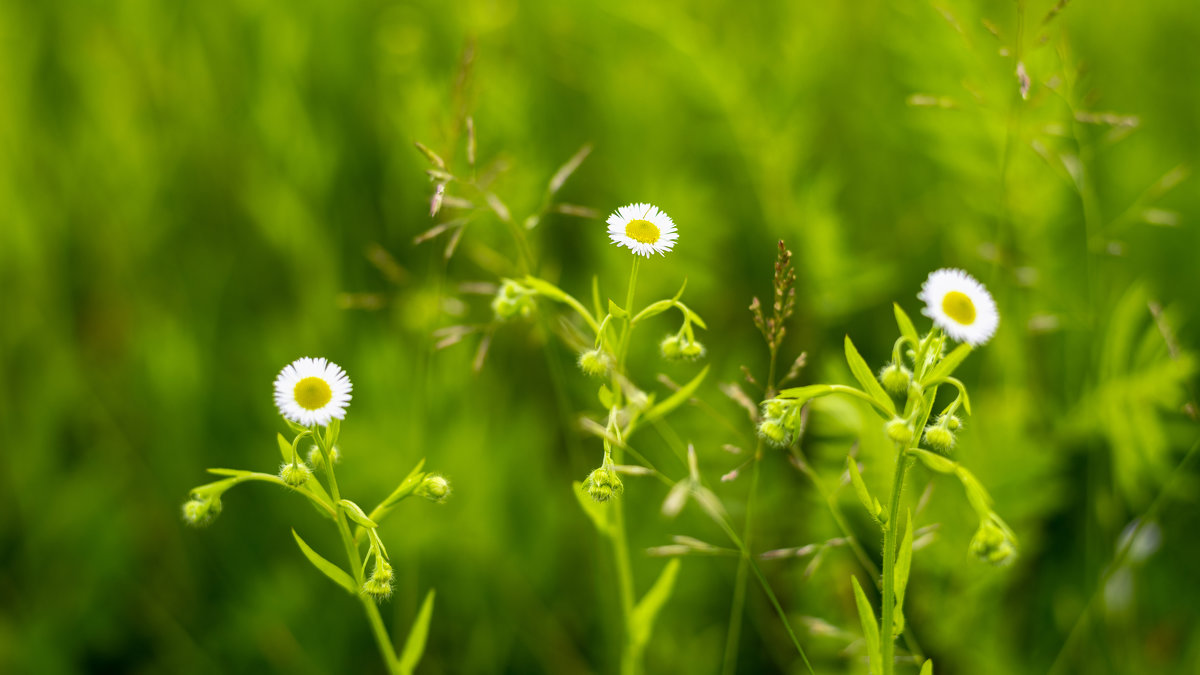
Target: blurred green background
{"points": [[188, 191]]}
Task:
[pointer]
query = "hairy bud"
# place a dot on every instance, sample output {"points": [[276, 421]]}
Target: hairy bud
{"points": [[200, 511], [594, 362], [899, 431], [603, 484], [896, 379], [435, 488], [296, 474]]}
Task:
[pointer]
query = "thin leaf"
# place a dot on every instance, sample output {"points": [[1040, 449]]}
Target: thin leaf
{"points": [[860, 489], [866, 377], [870, 628], [927, 667], [549, 290], [905, 324], [355, 513], [677, 399], [335, 573], [946, 367], [414, 646], [933, 461], [642, 622]]}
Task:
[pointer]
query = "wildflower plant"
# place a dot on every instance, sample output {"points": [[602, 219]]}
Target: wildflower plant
{"points": [[904, 394], [312, 396]]}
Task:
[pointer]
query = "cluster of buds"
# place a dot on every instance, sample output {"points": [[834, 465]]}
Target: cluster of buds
{"points": [[940, 436], [682, 347], [781, 421], [202, 509], [604, 484], [993, 542], [379, 584], [513, 300]]}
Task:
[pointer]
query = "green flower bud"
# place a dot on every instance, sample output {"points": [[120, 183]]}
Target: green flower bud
{"points": [[594, 362], [939, 438], [992, 545], [603, 484], [899, 431], [200, 511], [379, 585], [672, 348], [774, 408], [513, 300], [692, 350], [951, 422], [896, 379], [773, 432], [295, 474], [316, 459], [434, 487]]}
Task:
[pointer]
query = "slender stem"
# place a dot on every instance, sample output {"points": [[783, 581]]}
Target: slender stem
{"points": [[889, 564], [737, 606], [630, 658], [386, 650]]}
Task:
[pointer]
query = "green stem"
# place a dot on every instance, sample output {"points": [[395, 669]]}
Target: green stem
{"points": [[386, 650], [630, 658], [889, 564]]}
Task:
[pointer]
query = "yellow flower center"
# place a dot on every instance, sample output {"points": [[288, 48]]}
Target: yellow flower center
{"points": [[959, 307], [312, 393], [642, 230]]}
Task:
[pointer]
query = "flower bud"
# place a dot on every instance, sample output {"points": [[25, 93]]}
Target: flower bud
{"points": [[896, 379], [951, 422], [939, 438], [296, 474], [594, 362], [379, 585], [434, 487], [774, 408], [992, 545], [316, 459], [899, 431], [200, 511], [513, 300], [672, 348], [772, 431], [603, 484]]}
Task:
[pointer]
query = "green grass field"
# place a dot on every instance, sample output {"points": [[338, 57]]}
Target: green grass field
{"points": [[195, 194]]}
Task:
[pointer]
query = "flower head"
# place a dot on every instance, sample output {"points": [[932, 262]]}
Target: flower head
{"points": [[312, 391], [960, 306], [643, 229]]}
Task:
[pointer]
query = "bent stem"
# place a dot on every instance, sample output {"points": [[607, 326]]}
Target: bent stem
{"points": [[889, 564], [382, 639]]}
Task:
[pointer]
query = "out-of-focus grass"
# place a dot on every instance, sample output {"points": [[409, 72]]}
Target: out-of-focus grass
{"points": [[186, 189]]}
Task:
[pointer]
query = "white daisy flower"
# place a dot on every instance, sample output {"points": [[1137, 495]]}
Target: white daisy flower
{"points": [[312, 391], [643, 229], [960, 306]]}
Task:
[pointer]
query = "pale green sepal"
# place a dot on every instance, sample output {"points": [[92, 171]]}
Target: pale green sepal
{"points": [[337, 574]]}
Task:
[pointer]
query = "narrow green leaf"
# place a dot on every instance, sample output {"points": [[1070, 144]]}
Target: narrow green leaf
{"points": [[549, 290], [860, 488], [977, 495], [616, 310], [654, 309], [597, 512], [905, 324], [335, 573], [606, 397], [230, 472], [414, 646], [676, 399], [596, 304], [866, 378], [904, 561], [285, 447], [642, 622], [933, 461], [946, 367], [870, 628], [927, 667], [355, 513], [805, 393]]}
